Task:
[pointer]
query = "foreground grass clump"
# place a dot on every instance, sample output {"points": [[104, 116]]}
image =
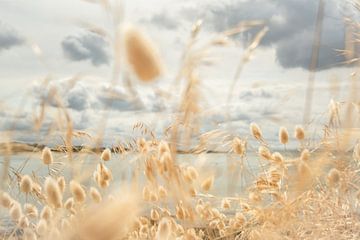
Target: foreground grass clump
{"points": [[308, 196]]}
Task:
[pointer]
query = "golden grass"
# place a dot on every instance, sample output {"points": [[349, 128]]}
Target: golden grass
{"points": [[312, 195]]}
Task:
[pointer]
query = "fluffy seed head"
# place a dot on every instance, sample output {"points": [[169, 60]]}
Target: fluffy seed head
{"points": [[146, 193], [192, 173], [26, 184], [95, 195], [77, 191], [277, 158], [153, 197], [53, 192], [305, 155], [69, 203], [5, 200], [105, 172], [163, 147], [23, 222], [207, 183], [239, 146], [283, 135], [264, 152], [304, 170], [30, 210], [162, 192], [154, 214], [62, 184], [46, 213], [142, 145], [255, 131], [225, 203], [192, 191], [15, 211], [299, 133], [46, 156], [333, 177], [106, 155], [255, 197], [141, 55]]}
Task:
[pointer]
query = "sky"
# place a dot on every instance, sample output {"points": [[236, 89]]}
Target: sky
{"points": [[44, 39]]}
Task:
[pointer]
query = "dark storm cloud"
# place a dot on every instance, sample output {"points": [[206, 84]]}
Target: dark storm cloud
{"points": [[88, 46], [9, 37], [291, 24]]}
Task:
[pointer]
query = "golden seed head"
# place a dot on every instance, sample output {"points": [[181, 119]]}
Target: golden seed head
{"points": [[192, 172], [225, 204], [30, 210], [53, 192], [26, 184], [299, 133], [166, 160], [264, 152], [192, 191], [146, 193], [5, 200], [283, 135], [105, 172], [69, 203], [207, 183], [239, 146], [15, 211], [163, 147], [240, 217], [333, 177], [305, 155], [23, 222], [154, 214], [77, 191], [106, 155], [255, 197], [162, 192], [277, 158], [62, 184], [153, 197], [255, 131], [303, 169], [46, 156], [142, 145], [95, 195], [142, 55], [46, 213]]}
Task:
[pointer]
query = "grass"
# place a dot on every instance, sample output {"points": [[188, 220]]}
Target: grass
{"points": [[313, 194]]}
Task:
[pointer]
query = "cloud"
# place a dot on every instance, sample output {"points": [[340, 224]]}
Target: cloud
{"points": [[86, 94], [164, 20], [116, 98], [9, 37], [78, 97], [88, 46], [291, 24]]}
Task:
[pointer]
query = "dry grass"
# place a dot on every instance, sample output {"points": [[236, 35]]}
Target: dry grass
{"points": [[312, 195]]}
